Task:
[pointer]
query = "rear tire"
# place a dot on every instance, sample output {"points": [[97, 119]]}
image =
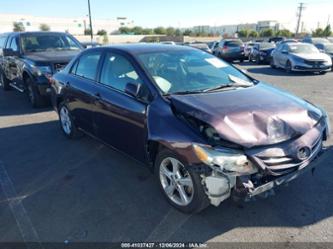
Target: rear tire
{"points": [[4, 83], [66, 122], [173, 185], [34, 96]]}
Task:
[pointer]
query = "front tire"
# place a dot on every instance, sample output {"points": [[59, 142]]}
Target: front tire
{"points": [[67, 123], [34, 96], [4, 83], [182, 188]]}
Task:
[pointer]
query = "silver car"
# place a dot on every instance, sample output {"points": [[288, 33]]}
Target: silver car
{"points": [[300, 57]]}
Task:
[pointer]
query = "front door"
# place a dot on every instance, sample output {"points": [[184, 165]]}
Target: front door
{"points": [[121, 119]]}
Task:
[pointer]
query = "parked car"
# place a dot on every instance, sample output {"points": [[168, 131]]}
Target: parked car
{"points": [[90, 44], [212, 44], [300, 57], [277, 39], [201, 46], [162, 105], [287, 41], [230, 50], [248, 46], [261, 52], [330, 39], [28, 60], [315, 40]]}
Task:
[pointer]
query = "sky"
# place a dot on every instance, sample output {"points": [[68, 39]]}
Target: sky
{"points": [[181, 13]]}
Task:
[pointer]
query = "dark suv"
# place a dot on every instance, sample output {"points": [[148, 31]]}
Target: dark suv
{"points": [[230, 50], [29, 59]]}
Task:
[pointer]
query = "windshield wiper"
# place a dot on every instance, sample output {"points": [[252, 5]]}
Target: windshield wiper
{"points": [[188, 92], [236, 82]]}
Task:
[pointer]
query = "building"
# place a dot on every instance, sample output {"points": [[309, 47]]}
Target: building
{"points": [[263, 25], [74, 26]]}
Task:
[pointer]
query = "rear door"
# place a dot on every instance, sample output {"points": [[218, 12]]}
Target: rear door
{"points": [[81, 89], [121, 118]]}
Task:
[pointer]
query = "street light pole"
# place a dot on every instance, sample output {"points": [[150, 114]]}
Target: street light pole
{"points": [[91, 29]]}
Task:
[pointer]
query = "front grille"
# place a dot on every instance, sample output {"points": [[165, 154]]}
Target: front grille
{"points": [[286, 164], [314, 62], [59, 66]]}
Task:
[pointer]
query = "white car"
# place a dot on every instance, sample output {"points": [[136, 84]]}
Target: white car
{"points": [[300, 57]]}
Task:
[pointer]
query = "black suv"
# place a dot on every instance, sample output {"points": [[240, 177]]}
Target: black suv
{"points": [[29, 59]]}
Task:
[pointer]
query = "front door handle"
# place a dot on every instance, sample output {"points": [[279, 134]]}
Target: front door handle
{"points": [[68, 84]]}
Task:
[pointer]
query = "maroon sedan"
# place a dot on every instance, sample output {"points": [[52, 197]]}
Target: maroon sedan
{"points": [[206, 129]]}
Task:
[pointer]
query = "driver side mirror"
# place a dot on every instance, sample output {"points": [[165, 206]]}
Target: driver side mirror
{"points": [[9, 52], [132, 89]]}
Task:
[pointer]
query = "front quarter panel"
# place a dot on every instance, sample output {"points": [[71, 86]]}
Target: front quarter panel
{"points": [[171, 132]]}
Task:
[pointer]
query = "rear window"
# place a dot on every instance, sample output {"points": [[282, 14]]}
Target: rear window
{"points": [[234, 43]]}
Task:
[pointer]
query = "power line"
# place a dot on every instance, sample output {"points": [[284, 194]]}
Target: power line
{"points": [[300, 9]]}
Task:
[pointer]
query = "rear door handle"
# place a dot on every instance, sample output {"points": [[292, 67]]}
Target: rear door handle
{"points": [[68, 84]]}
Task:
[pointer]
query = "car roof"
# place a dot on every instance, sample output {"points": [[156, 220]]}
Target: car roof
{"points": [[141, 48], [35, 33]]}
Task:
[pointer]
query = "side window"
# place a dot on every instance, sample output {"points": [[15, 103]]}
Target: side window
{"points": [[13, 44], [320, 46], [87, 65], [117, 71]]}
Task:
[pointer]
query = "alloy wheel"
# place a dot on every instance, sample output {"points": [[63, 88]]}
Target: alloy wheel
{"points": [[65, 119], [176, 181]]}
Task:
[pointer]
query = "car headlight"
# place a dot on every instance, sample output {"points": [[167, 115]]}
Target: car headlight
{"points": [[278, 131], [227, 161], [42, 70]]}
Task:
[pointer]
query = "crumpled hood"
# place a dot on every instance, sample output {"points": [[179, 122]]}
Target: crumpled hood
{"points": [[253, 116], [51, 56]]}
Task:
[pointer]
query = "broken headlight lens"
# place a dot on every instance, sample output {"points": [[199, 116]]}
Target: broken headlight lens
{"points": [[227, 161]]}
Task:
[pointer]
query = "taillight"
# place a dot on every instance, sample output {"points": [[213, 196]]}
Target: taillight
{"points": [[225, 48]]}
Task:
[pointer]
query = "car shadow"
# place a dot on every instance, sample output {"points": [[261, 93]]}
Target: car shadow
{"points": [[90, 192], [15, 103]]}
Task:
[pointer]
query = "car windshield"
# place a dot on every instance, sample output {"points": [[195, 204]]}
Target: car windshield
{"points": [[46, 42], [190, 71], [329, 48], [303, 49], [266, 45]]}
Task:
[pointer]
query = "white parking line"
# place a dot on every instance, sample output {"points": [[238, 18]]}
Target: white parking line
{"points": [[27, 230]]}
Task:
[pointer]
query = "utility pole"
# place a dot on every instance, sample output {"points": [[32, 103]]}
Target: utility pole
{"points": [[300, 9], [91, 29]]}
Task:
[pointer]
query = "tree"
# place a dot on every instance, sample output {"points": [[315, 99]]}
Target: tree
{"points": [[87, 32], [284, 32], [253, 34], [267, 33], [319, 32], [102, 32], [178, 32], [327, 31], [170, 31], [137, 30], [124, 30], [160, 31], [244, 33], [147, 32], [44, 27], [18, 27], [187, 32]]}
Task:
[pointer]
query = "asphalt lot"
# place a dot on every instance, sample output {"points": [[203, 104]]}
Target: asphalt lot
{"points": [[56, 190]]}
